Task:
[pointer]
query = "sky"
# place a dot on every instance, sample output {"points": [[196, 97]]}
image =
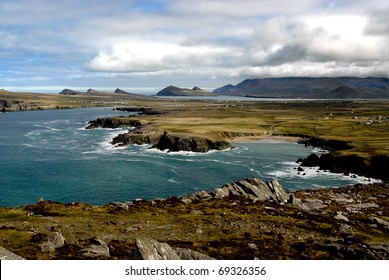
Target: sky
{"points": [[207, 43]]}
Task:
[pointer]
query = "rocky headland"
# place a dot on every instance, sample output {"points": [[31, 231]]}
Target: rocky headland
{"points": [[374, 166], [247, 219], [141, 134]]}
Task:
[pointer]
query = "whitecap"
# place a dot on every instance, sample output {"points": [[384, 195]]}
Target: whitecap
{"points": [[171, 180]]}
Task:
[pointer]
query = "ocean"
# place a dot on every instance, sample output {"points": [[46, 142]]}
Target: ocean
{"points": [[50, 154]]}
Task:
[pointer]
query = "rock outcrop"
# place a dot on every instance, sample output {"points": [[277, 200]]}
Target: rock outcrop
{"points": [[113, 123], [175, 143], [150, 249], [141, 135], [373, 166], [368, 166]]}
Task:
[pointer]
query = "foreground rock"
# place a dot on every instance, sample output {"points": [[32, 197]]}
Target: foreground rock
{"points": [[151, 249], [251, 188], [8, 255], [246, 219]]}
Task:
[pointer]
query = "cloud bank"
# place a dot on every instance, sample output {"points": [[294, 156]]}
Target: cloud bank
{"points": [[178, 42]]}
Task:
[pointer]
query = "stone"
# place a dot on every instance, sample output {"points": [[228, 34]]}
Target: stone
{"points": [[379, 222], [188, 254], [360, 206], [8, 255], [345, 231], [253, 246], [55, 240], [315, 204], [95, 251], [221, 193], [120, 205], [341, 217], [150, 249]]}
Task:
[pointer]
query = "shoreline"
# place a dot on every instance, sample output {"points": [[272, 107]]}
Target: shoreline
{"points": [[235, 221]]}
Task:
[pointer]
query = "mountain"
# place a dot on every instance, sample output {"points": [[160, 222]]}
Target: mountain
{"points": [[118, 90], [307, 87], [67, 91], [176, 91]]}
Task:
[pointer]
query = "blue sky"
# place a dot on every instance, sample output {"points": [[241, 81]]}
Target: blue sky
{"points": [[132, 44]]}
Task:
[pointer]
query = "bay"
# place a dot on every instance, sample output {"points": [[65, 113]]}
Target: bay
{"points": [[50, 154]]}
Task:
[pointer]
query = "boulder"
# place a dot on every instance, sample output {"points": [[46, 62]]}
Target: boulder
{"points": [[8, 255], [55, 240], [379, 222], [151, 249], [188, 254], [95, 251]]}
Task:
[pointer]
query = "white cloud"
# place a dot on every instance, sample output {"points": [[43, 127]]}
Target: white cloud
{"points": [[206, 39]]}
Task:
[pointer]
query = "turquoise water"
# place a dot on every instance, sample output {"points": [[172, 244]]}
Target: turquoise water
{"points": [[50, 154]]}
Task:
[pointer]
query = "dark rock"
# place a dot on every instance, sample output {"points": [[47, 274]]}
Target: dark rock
{"points": [[311, 161], [173, 143], [113, 123]]}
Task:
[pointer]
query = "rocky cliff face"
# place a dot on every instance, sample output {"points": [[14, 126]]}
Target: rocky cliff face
{"points": [[174, 143], [368, 166], [373, 166]]}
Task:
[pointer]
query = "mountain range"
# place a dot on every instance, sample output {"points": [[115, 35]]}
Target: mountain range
{"points": [[309, 87]]}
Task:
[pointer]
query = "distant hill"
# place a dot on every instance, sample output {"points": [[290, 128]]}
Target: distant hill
{"points": [[176, 91], [91, 91], [118, 90], [306, 87], [67, 91]]}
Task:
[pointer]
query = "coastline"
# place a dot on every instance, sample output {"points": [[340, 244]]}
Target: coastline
{"points": [[247, 219]]}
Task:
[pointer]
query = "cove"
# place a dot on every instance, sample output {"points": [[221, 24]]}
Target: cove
{"points": [[50, 154]]}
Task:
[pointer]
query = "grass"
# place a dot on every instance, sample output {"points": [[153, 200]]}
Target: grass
{"points": [[364, 124]]}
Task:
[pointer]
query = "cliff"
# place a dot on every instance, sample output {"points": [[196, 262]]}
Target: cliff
{"points": [[141, 134], [375, 166]]}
